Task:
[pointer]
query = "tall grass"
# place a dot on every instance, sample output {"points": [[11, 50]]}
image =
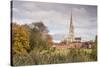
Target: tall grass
{"points": [[55, 56]]}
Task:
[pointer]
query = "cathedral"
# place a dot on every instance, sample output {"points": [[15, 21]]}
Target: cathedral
{"points": [[71, 35], [71, 41]]}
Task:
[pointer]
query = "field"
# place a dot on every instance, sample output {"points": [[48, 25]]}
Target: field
{"points": [[56, 56]]}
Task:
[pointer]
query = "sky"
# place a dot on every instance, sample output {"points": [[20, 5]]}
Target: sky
{"points": [[56, 16]]}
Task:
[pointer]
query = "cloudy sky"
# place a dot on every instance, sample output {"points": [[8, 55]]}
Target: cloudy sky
{"points": [[56, 17]]}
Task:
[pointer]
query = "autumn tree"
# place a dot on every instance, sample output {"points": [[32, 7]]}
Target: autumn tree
{"points": [[49, 40], [20, 39]]}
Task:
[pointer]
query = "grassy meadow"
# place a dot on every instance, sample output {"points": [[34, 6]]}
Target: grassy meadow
{"points": [[55, 56]]}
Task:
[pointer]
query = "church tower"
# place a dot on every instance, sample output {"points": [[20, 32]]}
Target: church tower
{"points": [[71, 30], [70, 37]]}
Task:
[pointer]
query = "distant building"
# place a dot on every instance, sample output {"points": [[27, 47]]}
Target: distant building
{"points": [[77, 39], [87, 44], [70, 37]]}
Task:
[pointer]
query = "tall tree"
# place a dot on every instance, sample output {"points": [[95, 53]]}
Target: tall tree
{"points": [[39, 36], [20, 39]]}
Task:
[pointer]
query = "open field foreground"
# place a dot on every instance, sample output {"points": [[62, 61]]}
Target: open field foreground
{"points": [[56, 56]]}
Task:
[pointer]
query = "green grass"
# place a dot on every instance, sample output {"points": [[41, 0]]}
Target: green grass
{"points": [[55, 56]]}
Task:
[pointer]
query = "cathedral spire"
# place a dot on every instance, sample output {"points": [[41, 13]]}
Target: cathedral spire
{"points": [[71, 30], [70, 38]]}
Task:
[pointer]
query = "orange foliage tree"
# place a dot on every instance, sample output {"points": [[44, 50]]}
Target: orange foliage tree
{"points": [[20, 39]]}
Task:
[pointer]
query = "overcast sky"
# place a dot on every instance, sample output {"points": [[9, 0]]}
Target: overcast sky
{"points": [[56, 17]]}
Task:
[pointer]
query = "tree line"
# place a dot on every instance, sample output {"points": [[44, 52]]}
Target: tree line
{"points": [[28, 37]]}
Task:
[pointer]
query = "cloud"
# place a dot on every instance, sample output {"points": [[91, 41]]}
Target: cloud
{"points": [[56, 41], [57, 17], [80, 11]]}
